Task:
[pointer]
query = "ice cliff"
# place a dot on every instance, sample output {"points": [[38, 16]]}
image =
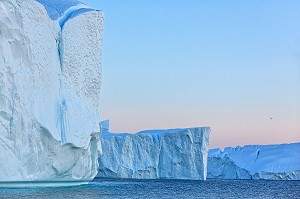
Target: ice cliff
{"points": [[155, 154], [272, 162], [50, 78]]}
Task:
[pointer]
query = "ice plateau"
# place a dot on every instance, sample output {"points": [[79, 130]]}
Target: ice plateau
{"points": [[50, 79], [155, 154], [271, 162]]}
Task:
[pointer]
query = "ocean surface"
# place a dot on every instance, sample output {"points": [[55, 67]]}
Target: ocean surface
{"points": [[108, 188]]}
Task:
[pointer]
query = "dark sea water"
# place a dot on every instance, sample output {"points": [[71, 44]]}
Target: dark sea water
{"points": [[158, 189]]}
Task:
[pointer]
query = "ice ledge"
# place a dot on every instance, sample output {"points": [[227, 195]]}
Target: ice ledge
{"points": [[57, 8], [35, 184], [63, 10]]}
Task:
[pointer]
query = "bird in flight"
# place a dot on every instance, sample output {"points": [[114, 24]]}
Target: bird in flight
{"points": [[270, 118]]}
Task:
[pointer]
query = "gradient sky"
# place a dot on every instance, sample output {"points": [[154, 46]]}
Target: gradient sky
{"points": [[229, 65]]}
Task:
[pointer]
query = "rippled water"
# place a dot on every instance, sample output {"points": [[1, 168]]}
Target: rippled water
{"points": [[104, 188]]}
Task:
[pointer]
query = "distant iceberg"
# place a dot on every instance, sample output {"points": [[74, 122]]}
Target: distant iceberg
{"points": [[50, 80], [155, 154], [270, 162]]}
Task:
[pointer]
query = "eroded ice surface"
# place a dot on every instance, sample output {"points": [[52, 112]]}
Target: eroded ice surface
{"points": [[50, 79], [256, 162], [154, 154]]}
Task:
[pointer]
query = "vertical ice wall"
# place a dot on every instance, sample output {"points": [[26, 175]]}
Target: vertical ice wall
{"points": [[81, 74], [156, 154], [50, 78]]}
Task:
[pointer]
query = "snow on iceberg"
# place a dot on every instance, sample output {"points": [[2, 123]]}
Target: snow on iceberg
{"points": [[154, 154], [272, 162], [50, 79]]}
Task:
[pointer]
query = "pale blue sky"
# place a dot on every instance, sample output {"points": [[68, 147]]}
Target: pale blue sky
{"points": [[225, 64]]}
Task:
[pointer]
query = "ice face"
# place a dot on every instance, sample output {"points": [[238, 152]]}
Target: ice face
{"points": [[166, 154], [225, 168], [50, 81], [256, 162]]}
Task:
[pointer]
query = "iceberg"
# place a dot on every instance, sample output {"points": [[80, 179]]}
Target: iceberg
{"points": [[270, 162], [50, 80], [154, 154]]}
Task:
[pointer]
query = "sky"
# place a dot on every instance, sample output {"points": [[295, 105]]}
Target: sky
{"points": [[230, 65]]}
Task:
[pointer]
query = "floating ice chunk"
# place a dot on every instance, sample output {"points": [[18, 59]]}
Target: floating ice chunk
{"points": [[256, 162]]}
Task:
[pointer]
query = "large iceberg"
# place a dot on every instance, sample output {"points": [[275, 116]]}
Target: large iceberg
{"points": [[50, 78], [271, 162], [155, 154]]}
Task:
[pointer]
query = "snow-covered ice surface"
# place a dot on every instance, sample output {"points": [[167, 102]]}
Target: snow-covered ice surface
{"points": [[155, 154], [50, 79], [274, 162]]}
